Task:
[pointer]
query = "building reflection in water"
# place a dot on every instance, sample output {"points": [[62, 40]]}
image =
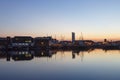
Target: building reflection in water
{"points": [[20, 55], [29, 55], [44, 53], [78, 53], [25, 55]]}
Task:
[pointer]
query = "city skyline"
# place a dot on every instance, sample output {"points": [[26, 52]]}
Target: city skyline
{"points": [[96, 19]]}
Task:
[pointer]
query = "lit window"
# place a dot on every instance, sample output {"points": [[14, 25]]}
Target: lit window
{"points": [[28, 41], [42, 43]]}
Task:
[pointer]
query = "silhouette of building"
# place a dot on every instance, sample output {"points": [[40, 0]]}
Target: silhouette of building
{"points": [[84, 42], [3, 43], [73, 37], [105, 40], [42, 42], [22, 41], [66, 43]]}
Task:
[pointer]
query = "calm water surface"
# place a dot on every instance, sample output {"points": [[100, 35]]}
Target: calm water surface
{"points": [[60, 65]]}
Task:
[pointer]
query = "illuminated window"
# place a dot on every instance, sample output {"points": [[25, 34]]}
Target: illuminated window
{"points": [[42, 43], [28, 41], [16, 39]]}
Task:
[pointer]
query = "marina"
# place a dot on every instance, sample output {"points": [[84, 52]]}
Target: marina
{"points": [[59, 40], [44, 43]]}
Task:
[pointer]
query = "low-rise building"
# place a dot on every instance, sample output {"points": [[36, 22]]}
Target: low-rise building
{"points": [[66, 43], [42, 42], [3, 43], [22, 41], [84, 42]]}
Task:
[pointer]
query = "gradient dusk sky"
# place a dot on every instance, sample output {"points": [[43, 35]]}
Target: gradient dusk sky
{"points": [[96, 19]]}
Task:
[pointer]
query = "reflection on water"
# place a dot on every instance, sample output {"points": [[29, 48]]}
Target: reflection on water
{"points": [[25, 55], [29, 55], [60, 65]]}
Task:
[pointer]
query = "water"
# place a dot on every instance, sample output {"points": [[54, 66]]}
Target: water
{"points": [[60, 65]]}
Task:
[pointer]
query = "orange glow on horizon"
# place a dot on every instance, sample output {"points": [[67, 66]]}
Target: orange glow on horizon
{"points": [[68, 36]]}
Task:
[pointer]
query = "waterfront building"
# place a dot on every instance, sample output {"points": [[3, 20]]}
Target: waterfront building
{"points": [[66, 43], [42, 42], [3, 43], [22, 41], [53, 42], [73, 37], [84, 42]]}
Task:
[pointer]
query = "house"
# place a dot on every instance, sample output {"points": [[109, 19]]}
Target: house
{"points": [[22, 41], [42, 42], [53, 42]]}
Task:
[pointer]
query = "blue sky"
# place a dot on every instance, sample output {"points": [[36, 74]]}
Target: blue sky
{"points": [[96, 19]]}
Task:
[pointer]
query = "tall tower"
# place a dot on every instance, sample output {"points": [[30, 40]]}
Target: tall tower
{"points": [[73, 37]]}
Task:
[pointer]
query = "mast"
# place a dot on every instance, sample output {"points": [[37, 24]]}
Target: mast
{"points": [[81, 36]]}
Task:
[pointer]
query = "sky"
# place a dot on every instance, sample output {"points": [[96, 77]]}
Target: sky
{"points": [[96, 19]]}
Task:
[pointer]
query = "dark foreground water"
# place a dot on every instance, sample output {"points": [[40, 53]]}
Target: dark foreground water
{"points": [[60, 65]]}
